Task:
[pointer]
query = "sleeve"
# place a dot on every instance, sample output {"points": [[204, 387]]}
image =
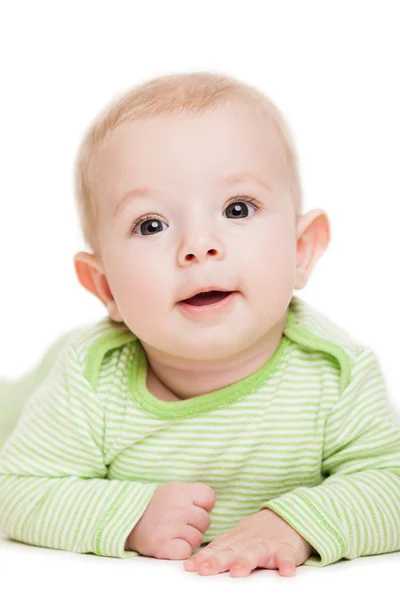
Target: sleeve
{"points": [[54, 490], [355, 511]]}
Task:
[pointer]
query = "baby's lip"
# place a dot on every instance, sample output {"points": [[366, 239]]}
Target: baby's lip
{"points": [[210, 288]]}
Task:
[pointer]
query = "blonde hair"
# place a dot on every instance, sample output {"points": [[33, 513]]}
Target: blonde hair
{"points": [[166, 95]]}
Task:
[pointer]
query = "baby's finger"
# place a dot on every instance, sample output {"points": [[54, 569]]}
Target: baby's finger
{"points": [[192, 563], [220, 562], [253, 557], [286, 561]]}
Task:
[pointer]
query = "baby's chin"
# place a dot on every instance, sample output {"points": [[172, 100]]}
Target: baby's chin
{"points": [[208, 355], [223, 349]]}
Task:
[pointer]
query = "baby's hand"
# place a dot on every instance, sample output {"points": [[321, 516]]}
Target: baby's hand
{"points": [[173, 523], [260, 540]]}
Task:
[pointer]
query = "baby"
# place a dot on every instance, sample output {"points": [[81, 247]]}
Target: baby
{"points": [[211, 416]]}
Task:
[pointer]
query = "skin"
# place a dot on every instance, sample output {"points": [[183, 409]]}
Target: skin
{"points": [[265, 254], [263, 539]]}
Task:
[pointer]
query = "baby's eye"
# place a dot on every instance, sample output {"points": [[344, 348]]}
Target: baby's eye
{"points": [[148, 226], [237, 211]]}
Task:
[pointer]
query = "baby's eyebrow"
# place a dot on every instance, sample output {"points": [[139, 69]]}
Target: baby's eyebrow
{"points": [[227, 179], [244, 177], [127, 199]]}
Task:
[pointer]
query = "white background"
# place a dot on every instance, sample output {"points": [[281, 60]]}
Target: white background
{"points": [[331, 67]]}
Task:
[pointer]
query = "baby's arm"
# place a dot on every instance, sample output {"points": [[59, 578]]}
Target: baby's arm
{"points": [[54, 490], [14, 393], [356, 510]]}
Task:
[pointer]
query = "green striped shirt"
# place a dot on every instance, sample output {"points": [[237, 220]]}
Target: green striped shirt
{"points": [[311, 435]]}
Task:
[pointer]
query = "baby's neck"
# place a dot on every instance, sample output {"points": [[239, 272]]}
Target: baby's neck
{"points": [[174, 383]]}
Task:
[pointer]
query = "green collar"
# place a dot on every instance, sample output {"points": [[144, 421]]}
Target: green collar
{"points": [[199, 404], [294, 331]]}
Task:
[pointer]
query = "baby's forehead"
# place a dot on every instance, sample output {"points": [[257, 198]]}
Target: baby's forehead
{"points": [[241, 122], [184, 148]]}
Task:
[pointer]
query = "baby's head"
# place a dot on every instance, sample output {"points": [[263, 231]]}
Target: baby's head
{"points": [[190, 181]]}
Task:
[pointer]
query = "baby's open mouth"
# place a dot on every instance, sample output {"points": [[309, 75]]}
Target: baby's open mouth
{"points": [[206, 298]]}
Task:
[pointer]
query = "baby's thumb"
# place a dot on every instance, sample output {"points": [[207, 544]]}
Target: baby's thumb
{"points": [[203, 496]]}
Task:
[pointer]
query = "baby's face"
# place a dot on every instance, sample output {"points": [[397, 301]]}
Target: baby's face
{"points": [[198, 229]]}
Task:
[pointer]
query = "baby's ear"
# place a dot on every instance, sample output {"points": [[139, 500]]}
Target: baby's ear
{"points": [[313, 237], [91, 276], [87, 269]]}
